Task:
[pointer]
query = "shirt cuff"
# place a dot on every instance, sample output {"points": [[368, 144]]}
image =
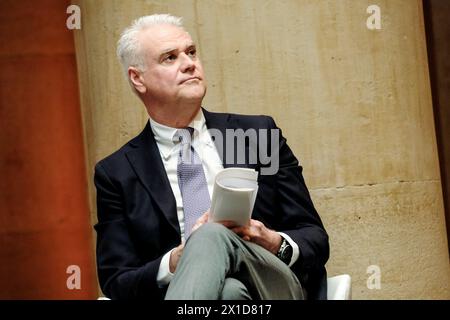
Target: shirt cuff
{"points": [[164, 275], [295, 248]]}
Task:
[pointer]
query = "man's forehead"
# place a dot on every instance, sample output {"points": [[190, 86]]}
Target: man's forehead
{"points": [[166, 37]]}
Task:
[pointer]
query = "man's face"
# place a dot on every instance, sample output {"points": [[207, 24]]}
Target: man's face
{"points": [[174, 73]]}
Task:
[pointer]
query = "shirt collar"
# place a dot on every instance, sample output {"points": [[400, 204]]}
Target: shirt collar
{"points": [[164, 134]]}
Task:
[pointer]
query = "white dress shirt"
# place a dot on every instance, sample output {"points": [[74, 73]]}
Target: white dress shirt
{"points": [[212, 164]]}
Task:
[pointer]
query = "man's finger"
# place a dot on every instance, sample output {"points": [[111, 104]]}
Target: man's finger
{"points": [[228, 223], [242, 232]]}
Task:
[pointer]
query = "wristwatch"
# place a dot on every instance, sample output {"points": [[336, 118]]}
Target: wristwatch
{"points": [[285, 251]]}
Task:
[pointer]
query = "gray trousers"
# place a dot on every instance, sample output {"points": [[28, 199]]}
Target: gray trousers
{"points": [[217, 264]]}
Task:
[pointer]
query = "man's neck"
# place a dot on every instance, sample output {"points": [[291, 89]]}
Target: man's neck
{"points": [[176, 117]]}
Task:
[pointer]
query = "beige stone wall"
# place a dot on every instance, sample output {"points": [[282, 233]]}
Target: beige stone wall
{"points": [[354, 104]]}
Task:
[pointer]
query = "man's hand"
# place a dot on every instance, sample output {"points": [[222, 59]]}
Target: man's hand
{"points": [[255, 231], [176, 253], [175, 256], [200, 221]]}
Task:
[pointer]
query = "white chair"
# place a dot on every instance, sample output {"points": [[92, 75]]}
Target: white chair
{"points": [[339, 287]]}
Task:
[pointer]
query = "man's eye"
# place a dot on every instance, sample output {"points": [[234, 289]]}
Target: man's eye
{"points": [[170, 57], [192, 52]]}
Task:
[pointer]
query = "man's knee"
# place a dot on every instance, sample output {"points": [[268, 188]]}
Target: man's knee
{"points": [[234, 289], [210, 238]]}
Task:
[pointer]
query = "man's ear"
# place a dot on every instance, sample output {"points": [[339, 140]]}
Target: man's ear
{"points": [[136, 79]]}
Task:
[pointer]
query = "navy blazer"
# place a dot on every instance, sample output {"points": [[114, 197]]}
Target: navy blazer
{"points": [[137, 216]]}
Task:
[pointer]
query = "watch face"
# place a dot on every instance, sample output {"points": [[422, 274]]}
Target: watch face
{"points": [[286, 254]]}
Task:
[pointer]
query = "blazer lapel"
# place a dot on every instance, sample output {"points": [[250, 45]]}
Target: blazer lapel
{"points": [[222, 122], [147, 163], [218, 121]]}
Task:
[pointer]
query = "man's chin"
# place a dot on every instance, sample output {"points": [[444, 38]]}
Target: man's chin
{"points": [[196, 93]]}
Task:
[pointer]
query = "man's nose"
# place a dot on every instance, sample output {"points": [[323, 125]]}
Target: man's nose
{"points": [[187, 63]]}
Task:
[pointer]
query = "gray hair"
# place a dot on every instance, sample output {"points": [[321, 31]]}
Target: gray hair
{"points": [[128, 48]]}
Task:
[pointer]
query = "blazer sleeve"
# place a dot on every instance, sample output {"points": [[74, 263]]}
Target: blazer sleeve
{"points": [[299, 218], [121, 273]]}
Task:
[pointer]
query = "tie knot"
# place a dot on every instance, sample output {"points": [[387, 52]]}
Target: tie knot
{"points": [[183, 135]]}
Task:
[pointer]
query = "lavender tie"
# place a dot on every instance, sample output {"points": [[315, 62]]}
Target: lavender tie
{"points": [[192, 181]]}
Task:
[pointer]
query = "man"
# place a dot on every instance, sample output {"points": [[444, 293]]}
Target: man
{"points": [[153, 235]]}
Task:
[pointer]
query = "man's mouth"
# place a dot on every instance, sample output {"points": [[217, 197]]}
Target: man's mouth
{"points": [[190, 79]]}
